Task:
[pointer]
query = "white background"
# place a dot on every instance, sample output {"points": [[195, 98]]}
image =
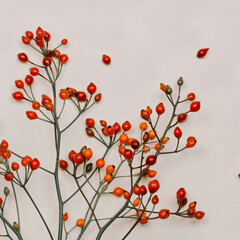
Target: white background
{"points": [[149, 42]]}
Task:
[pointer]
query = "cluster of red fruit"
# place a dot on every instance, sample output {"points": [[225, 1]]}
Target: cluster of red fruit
{"points": [[27, 162]]}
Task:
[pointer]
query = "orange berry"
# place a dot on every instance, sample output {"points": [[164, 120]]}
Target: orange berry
{"points": [[100, 163], [126, 195], [118, 192], [110, 169], [88, 153], [121, 149], [80, 222], [151, 134], [157, 146], [108, 178], [136, 202], [123, 138], [163, 87], [65, 216], [164, 140], [164, 213], [146, 148], [143, 126], [152, 173], [129, 141]]}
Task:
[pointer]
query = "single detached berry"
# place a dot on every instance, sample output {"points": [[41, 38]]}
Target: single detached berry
{"points": [[202, 52], [106, 59]]}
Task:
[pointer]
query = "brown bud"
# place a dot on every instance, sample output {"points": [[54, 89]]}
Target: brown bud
{"points": [[16, 226], [89, 132], [168, 90], [145, 137], [83, 149], [98, 97]]}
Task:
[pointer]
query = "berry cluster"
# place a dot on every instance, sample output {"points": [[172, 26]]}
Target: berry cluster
{"points": [[139, 154]]}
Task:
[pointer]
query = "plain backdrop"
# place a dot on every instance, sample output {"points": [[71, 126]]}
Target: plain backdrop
{"points": [[149, 42]]}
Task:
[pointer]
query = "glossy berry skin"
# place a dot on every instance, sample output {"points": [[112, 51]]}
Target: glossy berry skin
{"points": [[145, 115], [26, 160], [19, 84], [8, 177], [110, 169], [90, 122], [181, 194], [40, 33], [25, 40], [78, 159], [191, 96], [153, 186], [137, 190], [151, 160], [199, 215], [91, 88], [117, 127], [15, 166], [64, 94], [81, 96], [64, 41], [18, 96], [47, 36], [31, 115], [29, 34], [80, 222], [98, 97], [22, 57], [182, 117], [195, 106], [155, 200], [63, 164], [49, 106], [1, 201], [123, 138], [108, 178], [29, 80], [151, 173], [160, 109], [182, 202], [143, 126], [65, 217], [192, 205], [110, 131], [39, 42], [100, 163], [6, 154], [118, 192], [4, 144], [191, 212], [177, 133], [34, 164], [126, 126], [128, 154], [56, 53], [202, 52], [136, 202], [88, 153], [135, 144], [34, 71], [191, 142], [47, 61], [143, 190], [63, 58], [106, 59], [164, 213], [71, 155], [127, 195], [103, 123]]}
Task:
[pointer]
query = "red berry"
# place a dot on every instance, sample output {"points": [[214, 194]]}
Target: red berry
{"points": [[18, 96], [128, 154], [164, 213], [195, 106], [40, 33], [49, 106], [4, 144], [106, 59], [91, 88], [47, 61], [98, 97], [6, 154], [192, 205], [34, 164], [29, 80], [39, 42], [151, 160], [19, 84], [90, 122], [64, 41], [110, 131], [181, 194], [63, 58], [155, 200], [71, 155], [153, 186], [34, 71], [25, 40], [1, 201], [36, 105], [63, 164], [177, 133], [32, 115], [8, 176], [26, 160], [47, 36], [199, 215], [137, 190], [22, 57], [126, 126], [117, 127], [160, 109], [202, 52], [191, 142], [29, 34], [15, 166], [81, 96], [78, 158], [191, 96], [182, 117], [135, 144], [145, 115], [143, 190], [127, 195]]}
